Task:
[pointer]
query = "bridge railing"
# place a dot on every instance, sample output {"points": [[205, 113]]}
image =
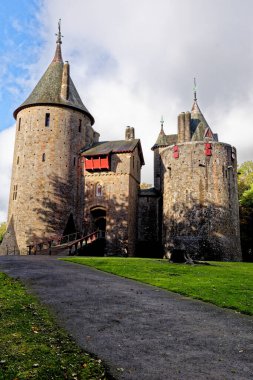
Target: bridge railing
{"points": [[67, 241]]}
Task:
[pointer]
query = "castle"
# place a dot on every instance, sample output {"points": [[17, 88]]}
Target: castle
{"points": [[65, 180]]}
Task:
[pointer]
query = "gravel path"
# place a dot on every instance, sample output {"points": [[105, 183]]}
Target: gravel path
{"points": [[139, 331]]}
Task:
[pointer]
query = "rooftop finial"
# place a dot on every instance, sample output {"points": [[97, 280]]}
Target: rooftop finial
{"points": [[195, 90], [58, 55], [162, 121], [59, 35]]}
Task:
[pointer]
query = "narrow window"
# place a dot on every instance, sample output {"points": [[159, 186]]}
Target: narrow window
{"points": [[80, 125], [74, 161], [18, 160], [15, 192], [98, 190], [133, 162], [19, 124], [43, 157], [47, 120]]}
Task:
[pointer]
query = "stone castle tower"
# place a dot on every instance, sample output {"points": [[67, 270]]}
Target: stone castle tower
{"points": [[112, 171], [196, 176], [46, 194]]}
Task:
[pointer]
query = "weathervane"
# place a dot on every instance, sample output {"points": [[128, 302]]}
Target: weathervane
{"points": [[162, 121], [59, 35], [195, 89]]}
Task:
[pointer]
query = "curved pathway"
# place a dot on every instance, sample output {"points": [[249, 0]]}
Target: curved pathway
{"points": [[139, 331]]}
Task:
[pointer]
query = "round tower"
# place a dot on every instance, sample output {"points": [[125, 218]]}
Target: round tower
{"points": [[200, 201], [199, 188], [46, 195]]}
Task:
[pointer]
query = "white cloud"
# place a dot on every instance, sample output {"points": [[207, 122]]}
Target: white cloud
{"points": [[6, 154], [135, 60]]}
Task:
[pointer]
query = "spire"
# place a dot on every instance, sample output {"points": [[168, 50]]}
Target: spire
{"points": [[56, 86], [162, 138], [199, 128], [58, 55]]}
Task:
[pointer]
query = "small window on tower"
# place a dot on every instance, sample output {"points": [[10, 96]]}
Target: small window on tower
{"points": [[74, 161], [18, 160], [47, 120], [19, 124], [43, 157], [80, 125], [15, 192], [98, 190]]}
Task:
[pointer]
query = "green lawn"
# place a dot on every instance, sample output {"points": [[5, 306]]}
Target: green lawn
{"points": [[32, 346], [227, 285]]}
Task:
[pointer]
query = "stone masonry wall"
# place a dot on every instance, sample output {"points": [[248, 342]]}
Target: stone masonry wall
{"points": [[200, 203], [119, 200], [157, 168], [149, 215], [46, 185]]}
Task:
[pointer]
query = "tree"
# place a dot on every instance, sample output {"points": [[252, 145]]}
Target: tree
{"points": [[246, 199], [2, 230], [245, 193], [245, 178]]}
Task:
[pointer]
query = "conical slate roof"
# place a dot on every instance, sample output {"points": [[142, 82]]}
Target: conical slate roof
{"points": [[161, 139], [48, 89], [164, 140], [199, 125]]}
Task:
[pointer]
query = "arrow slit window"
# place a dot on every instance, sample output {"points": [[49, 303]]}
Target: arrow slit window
{"points": [[47, 120]]}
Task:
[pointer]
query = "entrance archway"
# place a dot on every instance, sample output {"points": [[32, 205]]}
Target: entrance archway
{"points": [[98, 218]]}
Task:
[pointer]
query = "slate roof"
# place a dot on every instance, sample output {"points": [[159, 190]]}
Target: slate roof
{"points": [[164, 140], [48, 89], [199, 125], [107, 147]]}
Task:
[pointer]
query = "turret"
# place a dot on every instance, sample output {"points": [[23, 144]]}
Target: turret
{"points": [[46, 195], [162, 141], [200, 199]]}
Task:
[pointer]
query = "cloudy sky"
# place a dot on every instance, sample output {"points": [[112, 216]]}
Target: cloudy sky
{"points": [[133, 61]]}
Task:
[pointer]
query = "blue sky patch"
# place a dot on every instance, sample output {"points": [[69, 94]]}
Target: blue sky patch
{"points": [[19, 47]]}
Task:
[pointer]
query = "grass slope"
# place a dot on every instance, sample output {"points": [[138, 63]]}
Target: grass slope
{"points": [[227, 285], [32, 346]]}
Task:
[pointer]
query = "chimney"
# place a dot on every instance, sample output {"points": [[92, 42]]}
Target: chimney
{"points": [[65, 81], [181, 127], [187, 131], [129, 134]]}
